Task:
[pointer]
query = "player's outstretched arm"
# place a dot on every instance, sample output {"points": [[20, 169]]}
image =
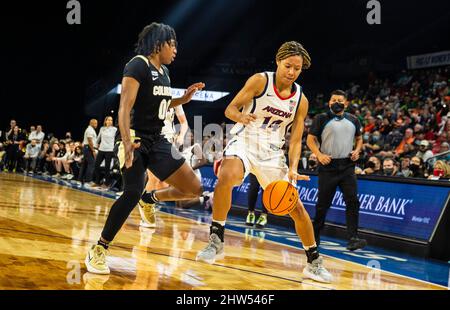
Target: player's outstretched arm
{"points": [[252, 88], [190, 91]]}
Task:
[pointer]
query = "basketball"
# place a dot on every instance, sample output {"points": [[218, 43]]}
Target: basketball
{"points": [[280, 197]]}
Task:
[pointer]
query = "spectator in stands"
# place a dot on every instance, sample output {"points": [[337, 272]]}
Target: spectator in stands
{"points": [[373, 166], [31, 156], [444, 151], [68, 137], [15, 138], [420, 136], [404, 167], [444, 147], [41, 157], [5, 139], [61, 165], [105, 151], [75, 161], [386, 127], [70, 149], [439, 140], [37, 135], [49, 158], [32, 129], [10, 130], [408, 139], [2, 155], [441, 170], [89, 153], [389, 167], [370, 127], [429, 133], [373, 143], [409, 150], [417, 168], [424, 152], [57, 159]]}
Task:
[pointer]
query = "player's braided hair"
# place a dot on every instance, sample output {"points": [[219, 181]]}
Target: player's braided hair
{"points": [[293, 48], [152, 38]]}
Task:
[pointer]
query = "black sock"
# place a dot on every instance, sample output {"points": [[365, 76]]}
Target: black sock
{"points": [[312, 254], [104, 244], [149, 197], [217, 229]]}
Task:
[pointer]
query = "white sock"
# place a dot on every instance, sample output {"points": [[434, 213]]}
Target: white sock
{"points": [[222, 223], [311, 246]]}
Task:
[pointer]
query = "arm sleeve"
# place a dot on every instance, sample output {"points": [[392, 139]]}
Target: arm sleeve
{"points": [[136, 69], [316, 125]]}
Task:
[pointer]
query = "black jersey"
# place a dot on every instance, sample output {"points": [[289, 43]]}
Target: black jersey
{"points": [[153, 98]]}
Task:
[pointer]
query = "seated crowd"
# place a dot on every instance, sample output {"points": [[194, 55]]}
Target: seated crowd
{"points": [[405, 124]]}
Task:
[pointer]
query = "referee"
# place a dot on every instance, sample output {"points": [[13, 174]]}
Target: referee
{"points": [[331, 139]]}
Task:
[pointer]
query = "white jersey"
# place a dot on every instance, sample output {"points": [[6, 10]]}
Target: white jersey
{"points": [[168, 131], [274, 115]]}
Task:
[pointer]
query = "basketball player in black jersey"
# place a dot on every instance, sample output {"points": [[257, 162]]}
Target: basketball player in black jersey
{"points": [[145, 99]]}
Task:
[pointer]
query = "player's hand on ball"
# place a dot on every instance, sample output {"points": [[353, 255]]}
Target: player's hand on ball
{"points": [[324, 159], [247, 118], [294, 176]]}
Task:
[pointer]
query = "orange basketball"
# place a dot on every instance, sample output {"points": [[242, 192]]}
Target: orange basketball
{"points": [[280, 197]]}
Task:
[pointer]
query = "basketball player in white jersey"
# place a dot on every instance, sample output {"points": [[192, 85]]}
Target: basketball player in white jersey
{"points": [[153, 183], [271, 103]]}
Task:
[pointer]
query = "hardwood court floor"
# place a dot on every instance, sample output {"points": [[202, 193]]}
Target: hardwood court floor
{"points": [[46, 229]]}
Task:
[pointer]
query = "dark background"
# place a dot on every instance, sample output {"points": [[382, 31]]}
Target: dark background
{"points": [[58, 75]]}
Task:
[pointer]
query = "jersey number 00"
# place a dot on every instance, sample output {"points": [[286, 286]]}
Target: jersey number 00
{"points": [[163, 107]]}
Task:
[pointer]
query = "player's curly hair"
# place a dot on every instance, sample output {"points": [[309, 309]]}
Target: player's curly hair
{"points": [[153, 37], [293, 48]]}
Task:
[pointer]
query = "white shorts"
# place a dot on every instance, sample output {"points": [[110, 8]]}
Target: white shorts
{"points": [[267, 163]]}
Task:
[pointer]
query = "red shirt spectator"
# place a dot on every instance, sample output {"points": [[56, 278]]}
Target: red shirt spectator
{"points": [[408, 139], [371, 125]]}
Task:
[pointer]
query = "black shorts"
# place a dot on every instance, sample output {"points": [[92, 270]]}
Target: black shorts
{"points": [[156, 155]]}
